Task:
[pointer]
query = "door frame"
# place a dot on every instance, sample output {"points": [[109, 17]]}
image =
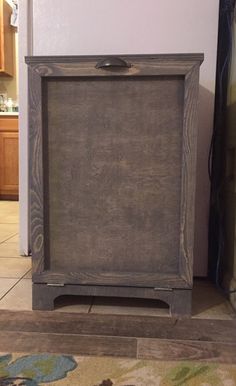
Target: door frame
{"points": [[25, 38]]}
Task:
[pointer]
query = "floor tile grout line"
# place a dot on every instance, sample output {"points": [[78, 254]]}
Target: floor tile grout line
{"points": [[26, 273], [1, 242], [10, 289], [22, 277]]}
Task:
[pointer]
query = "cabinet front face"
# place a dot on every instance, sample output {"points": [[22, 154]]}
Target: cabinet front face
{"points": [[9, 165], [117, 194]]}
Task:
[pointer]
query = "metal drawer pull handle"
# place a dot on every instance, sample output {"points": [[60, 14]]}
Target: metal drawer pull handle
{"points": [[112, 61]]}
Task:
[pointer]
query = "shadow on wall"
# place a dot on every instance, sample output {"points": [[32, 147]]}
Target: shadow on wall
{"points": [[206, 106]]}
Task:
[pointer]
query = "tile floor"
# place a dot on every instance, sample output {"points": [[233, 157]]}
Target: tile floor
{"points": [[15, 284]]}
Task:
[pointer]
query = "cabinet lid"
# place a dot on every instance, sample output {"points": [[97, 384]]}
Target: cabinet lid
{"points": [[198, 57]]}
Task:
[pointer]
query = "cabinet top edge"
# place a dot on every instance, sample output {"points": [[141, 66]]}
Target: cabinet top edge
{"points": [[197, 57], [8, 114]]}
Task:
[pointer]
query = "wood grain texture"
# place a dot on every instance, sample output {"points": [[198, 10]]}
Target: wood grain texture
{"points": [[118, 347], [179, 301], [181, 58], [200, 330], [68, 344], [36, 194], [169, 64], [87, 70], [189, 164], [132, 278], [119, 335], [186, 351], [119, 193]]}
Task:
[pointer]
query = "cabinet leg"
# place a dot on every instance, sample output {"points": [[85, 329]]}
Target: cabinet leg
{"points": [[181, 305], [43, 297]]}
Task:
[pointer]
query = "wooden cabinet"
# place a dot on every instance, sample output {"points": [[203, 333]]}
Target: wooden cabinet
{"points": [[112, 176], [6, 40], [9, 158]]}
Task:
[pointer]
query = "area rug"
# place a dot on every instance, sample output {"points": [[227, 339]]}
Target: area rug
{"points": [[66, 370]]}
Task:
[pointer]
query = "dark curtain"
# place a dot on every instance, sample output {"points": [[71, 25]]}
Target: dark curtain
{"points": [[216, 157]]}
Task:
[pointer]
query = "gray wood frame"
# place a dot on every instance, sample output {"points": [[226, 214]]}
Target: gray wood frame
{"points": [[186, 65]]}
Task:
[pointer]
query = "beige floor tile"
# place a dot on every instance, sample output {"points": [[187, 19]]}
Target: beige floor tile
{"points": [[9, 212], [209, 303], [9, 249], [9, 204], [6, 285], [124, 306], [8, 218], [19, 298], [13, 239], [80, 304], [14, 267], [7, 231], [221, 312]]}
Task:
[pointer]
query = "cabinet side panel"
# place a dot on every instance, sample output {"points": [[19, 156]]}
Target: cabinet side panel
{"points": [[36, 196], [189, 162]]}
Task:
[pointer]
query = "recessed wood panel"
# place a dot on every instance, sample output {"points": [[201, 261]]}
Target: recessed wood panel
{"points": [[113, 156], [9, 174]]}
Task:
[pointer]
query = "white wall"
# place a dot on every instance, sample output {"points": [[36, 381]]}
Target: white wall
{"points": [[78, 27], [9, 85]]}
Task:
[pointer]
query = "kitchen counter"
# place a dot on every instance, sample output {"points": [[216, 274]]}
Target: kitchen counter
{"points": [[5, 114]]}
